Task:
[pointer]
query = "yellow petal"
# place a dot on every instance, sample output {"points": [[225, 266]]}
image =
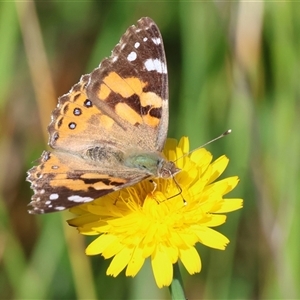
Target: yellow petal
{"points": [[119, 262], [148, 249], [100, 244], [190, 259], [170, 144], [218, 167], [113, 249], [86, 231], [184, 144], [229, 205], [135, 263], [172, 253], [79, 210], [202, 158], [230, 183], [162, 267], [212, 238], [215, 220]]}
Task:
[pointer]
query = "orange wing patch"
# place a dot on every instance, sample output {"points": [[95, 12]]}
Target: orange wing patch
{"points": [[57, 172], [76, 115], [128, 114], [144, 111], [126, 87]]}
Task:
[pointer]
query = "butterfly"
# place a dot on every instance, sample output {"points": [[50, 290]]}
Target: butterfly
{"points": [[108, 132]]}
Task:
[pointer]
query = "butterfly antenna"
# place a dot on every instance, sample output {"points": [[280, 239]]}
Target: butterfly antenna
{"points": [[209, 142], [179, 189]]}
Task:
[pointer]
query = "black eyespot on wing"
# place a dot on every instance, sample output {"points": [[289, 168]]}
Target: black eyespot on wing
{"points": [[88, 103], [72, 125], [77, 111]]}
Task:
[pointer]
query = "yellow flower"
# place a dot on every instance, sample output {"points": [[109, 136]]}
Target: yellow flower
{"points": [[136, 223]]}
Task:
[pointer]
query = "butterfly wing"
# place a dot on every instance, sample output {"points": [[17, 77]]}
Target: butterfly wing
{"points": [[60, 182], [123, 104], [132, 86]]}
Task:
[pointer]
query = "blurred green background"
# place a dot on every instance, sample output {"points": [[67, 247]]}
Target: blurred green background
{"points": [[231, 65]]}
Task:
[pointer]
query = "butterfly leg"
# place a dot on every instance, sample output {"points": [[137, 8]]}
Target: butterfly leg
{"points": [[154, 186]]}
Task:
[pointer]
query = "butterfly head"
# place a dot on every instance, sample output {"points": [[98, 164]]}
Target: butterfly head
{"points": [[167, 169]]}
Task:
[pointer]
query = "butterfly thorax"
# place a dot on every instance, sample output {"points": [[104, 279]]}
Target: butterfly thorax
{"points": [[153, 163]]}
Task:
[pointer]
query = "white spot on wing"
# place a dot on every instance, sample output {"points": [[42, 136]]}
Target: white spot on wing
{"points": [[59, 207], [42, 191], [53, 196], [48, 202], [131, 56], [156, 41], [155, 65], [136, 45], [145, 39], [114, 58], [76, 198]]}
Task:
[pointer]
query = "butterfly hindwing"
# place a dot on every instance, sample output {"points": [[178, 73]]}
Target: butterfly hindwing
{"points": [[60, 182]]}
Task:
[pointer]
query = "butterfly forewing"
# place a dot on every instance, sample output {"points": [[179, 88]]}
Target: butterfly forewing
{"points": [[132, 85]]}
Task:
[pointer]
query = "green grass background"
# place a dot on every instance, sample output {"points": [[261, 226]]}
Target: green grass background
{"points": [[231, 65]]}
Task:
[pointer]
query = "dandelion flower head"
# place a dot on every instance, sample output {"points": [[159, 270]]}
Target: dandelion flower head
{"points": [[164, 223]]}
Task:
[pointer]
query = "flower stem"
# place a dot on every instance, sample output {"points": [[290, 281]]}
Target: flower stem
{"points": [[176, 287]]}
